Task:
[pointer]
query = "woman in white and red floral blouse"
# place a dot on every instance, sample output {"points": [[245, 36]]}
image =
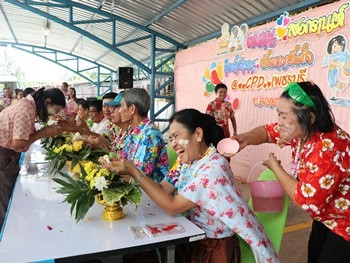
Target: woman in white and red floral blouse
{"points": [[320, 178]]}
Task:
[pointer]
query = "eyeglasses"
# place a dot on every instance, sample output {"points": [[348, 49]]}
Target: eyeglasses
{"points": [[299, 95], [92, 111]]}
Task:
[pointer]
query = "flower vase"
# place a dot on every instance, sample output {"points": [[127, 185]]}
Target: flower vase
{"points": [[110, 212]]}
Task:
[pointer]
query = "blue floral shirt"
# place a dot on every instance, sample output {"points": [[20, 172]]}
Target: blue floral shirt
{"points": [[145, 147]]}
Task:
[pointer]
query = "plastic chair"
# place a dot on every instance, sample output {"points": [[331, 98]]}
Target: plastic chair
{"points": [[273, 223], [172, 156]]}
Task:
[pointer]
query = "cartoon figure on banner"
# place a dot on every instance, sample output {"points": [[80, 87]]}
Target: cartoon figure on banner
{"points": [[224, 40], [237, 38], [282, 22], [212, 77], [337, 61]]}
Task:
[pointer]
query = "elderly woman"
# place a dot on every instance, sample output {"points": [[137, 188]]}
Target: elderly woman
{"points": [[205, 189], [319, 181]]}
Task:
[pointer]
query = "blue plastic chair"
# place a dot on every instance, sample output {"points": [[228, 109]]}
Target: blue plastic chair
{"points": [[273, 223]]}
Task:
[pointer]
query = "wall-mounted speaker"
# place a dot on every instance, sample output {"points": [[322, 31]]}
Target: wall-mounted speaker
{"points": [[126, 77]]}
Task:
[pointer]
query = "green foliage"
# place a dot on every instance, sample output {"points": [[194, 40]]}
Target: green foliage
{"points": [[81, 195]]}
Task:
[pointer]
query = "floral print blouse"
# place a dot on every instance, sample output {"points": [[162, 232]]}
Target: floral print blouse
{"points": [[17, 122], [324, 177], [221, 210], [145, 147], [221, 111]]}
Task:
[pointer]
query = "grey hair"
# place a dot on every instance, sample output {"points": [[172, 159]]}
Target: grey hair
{"points": [[140, 98]]}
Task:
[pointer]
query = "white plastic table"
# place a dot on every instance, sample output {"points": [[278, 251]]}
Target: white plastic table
{"points": [[36, 208]]}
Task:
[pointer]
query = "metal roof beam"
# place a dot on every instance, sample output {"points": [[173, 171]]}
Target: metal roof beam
{"points": [[159, 16], [8, 24], [52, 60], [301, 5], [165, 61], [87, 26], [132, 41], [80, 31], [43, 50], [92, 21], [117, 18], [47, 4]]}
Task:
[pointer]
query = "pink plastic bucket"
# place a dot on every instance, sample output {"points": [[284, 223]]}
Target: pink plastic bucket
{"points": [[267, 196]]}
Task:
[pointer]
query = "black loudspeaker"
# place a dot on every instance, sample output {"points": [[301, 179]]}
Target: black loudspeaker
{"points": [[126, 77]]}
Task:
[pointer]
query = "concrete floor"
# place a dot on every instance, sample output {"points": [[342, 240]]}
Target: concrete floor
{"points": [[294, 242]]}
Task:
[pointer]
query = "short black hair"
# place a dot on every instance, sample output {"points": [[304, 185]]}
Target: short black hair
{"points": [[110, 95], [220, 86], [97, 104], [28, 91]]}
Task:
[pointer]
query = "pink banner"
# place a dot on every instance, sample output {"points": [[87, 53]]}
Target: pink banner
{"points": [[257, 63]]}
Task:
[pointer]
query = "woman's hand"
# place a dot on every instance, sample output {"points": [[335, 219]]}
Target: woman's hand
{"points": [[273, 163], [120, 167], [97, 142], [68, 126], [52, 130], [241, 139]]}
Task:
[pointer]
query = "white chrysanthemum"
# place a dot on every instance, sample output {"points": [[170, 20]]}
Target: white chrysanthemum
{"points": [[100, 183], [342, 203], [330, 223], [308, 190], [326, 181], [312, 167], [344, 189]]}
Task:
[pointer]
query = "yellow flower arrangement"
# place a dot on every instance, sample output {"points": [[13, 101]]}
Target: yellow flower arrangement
{"points": [[73, 150], [94, 180]]}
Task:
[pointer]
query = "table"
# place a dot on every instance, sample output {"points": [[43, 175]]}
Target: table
{"points": [[39, 226]]}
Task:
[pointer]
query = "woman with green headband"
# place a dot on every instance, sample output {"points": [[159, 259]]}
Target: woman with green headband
{"points": [[319, 181]]}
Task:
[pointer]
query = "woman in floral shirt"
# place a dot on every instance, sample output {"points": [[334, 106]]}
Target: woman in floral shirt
{"points": [[320, 178], [205, 189]]}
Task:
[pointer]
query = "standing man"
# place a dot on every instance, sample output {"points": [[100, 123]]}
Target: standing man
{"points": [[64, 88]]}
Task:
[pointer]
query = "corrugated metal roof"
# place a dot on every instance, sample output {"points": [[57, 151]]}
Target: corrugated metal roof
{"points": [[182, 21]]}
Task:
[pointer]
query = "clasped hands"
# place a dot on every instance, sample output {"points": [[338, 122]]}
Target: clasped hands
{"points": [[124, 168]]}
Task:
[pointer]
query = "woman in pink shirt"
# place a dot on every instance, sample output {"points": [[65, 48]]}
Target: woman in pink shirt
{"points": [[17, 133]]}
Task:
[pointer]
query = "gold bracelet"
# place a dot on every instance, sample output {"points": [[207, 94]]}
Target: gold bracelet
{"points": [[138, 180]]}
